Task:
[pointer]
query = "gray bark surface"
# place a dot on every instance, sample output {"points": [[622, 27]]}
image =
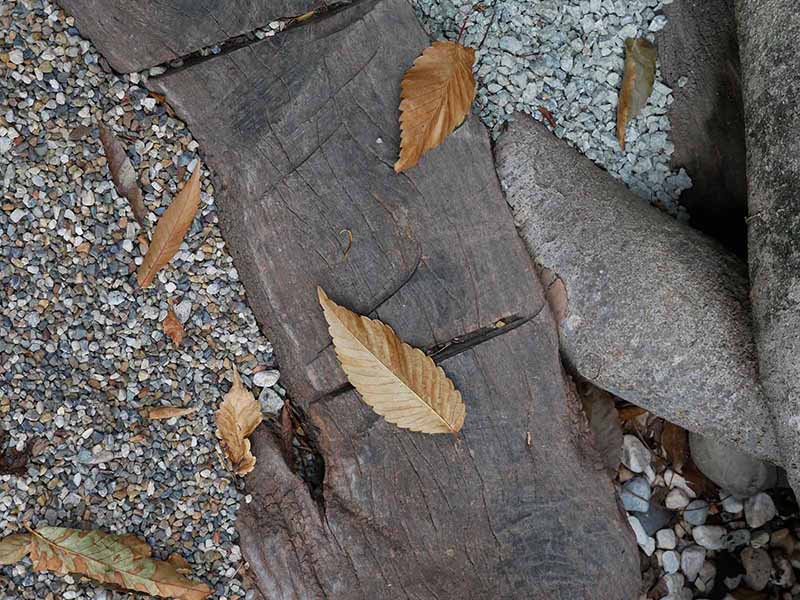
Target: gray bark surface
{"points": [[769, 32], [657, 313], [302, 132], [137, 34], [699, 44]]}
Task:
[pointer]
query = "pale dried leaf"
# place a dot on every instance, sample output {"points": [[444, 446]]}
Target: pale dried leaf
{"points": [[437, 92], [14, 547], [399, 382], [237, 417], [118, 560], [171, 228], [122, 174], [173, 327], [637, 84], [167, 412], [181, 564]]}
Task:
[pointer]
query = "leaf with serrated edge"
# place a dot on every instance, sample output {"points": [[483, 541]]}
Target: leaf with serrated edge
{"points": [[167, 412], [171, 228], [173, 327], [437, 92], [399, 382], [237, 417], [14, 548], [123, 174], [112, 559], [637, 83]]}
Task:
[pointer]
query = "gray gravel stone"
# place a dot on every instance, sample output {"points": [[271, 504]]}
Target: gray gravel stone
{"points": [[738, 473], [636, 494], [696, 512], [710, 537], [692, 559], [758, 510]]}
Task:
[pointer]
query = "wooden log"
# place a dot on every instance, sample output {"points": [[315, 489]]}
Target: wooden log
{"points": [[136, 34], [656, 312], [768, 33], [302, 133]]}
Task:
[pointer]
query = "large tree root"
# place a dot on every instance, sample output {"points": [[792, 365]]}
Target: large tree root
{"points": [[769, 31], [655, 311]]}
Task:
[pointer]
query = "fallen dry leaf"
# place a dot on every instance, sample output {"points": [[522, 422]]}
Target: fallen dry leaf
{"points": [[181, 564], [287, 433], [630, 412], [167, 412], [437, 92], [123, 561], [676, 444], [14, 548], [171, 228], [237, 417], [548, 116], [601, 412], [399, 382], [173, 327], [637, 84], [123, 174]]}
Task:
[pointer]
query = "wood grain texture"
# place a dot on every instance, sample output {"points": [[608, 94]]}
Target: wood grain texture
{"points": [[303, 144], [302, 133], [137, 34]]}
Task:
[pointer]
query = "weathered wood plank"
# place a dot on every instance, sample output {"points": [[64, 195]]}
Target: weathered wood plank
{"points": [[304, 145], [137, 34], [479, 516], [302, 132]]}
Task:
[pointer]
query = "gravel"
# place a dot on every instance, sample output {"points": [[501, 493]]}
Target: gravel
{"points": [[82, 353], [708, 543], [567, 57]]}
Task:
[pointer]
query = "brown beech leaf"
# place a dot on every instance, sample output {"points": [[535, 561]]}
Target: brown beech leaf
{"points": [[173, 327], [676, 444], [123, 174], [237, 417], [118, 560], [437, 92], [167, 412], [14, 548], [637, 84], [171, 228], [399, 382]]}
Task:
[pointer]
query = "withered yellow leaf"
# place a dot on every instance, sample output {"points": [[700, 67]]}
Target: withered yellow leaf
{"points": [[14, 547], [173, 327], [123, 174], [437, 92], [637, 83], [237, 417], [167, 412], [399, 382], [119, 560], [171, 228]]}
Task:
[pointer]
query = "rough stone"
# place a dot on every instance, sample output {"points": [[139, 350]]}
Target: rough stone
{"points": [[692, 560], [757, 566], [681, 342], [710, 537], [758, 510], [738, 473]]}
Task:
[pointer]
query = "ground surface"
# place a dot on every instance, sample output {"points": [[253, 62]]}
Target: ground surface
{"points": [[73, 328]]}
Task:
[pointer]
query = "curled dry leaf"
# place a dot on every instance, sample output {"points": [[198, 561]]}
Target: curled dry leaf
{"points": [[437, 92], [601, 412], [171, 228], [123, 174], [172, 327], [123, 561], [637, 83], [237, 417], [399, 382], [167, 412]]}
